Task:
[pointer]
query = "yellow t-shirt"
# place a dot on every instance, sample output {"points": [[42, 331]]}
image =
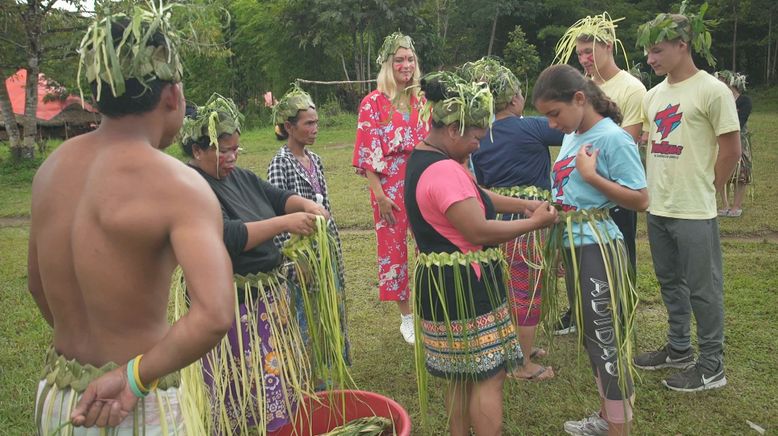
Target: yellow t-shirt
{"points": [[627, 91], [684, 120]]}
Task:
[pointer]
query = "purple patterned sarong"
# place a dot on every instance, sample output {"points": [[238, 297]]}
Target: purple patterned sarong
{"points": [[243, 408]]}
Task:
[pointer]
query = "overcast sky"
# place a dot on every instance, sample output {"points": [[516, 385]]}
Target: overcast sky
{"points": [[89, 5]]}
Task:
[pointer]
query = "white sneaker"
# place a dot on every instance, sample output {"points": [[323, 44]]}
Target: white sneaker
{"points": [[406, 328], [592, 425]]}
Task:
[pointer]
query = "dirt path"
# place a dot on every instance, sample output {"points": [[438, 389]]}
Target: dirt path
{"points": [[14, 221], [768, 237]]}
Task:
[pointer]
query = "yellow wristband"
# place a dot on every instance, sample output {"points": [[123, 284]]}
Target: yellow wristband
{"points": [[136, 375]]}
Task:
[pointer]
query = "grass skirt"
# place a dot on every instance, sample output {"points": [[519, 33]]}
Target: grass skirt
{"points": [[463, 326], [63, 381], [254, 378]]}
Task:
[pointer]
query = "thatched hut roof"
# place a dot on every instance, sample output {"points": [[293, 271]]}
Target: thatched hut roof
{"points": [[63, 110]]}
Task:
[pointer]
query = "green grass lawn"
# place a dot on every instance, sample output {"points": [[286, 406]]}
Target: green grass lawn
{"points": [[383, 362]]}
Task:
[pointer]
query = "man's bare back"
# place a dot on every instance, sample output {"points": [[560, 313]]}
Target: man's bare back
{"points": [[100, 232], [112, 216]]}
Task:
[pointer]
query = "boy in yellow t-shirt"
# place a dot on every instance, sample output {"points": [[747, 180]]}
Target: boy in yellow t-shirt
{"points": [[687, 115]]}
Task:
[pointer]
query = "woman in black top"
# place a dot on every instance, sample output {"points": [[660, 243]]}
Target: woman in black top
{"points": [[262, 344]]}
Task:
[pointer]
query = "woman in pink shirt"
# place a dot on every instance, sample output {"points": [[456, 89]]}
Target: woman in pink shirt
{"points": [[463, 330]]}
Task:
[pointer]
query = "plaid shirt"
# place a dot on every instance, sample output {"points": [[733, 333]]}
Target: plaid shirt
{"points": [[286, 172]]}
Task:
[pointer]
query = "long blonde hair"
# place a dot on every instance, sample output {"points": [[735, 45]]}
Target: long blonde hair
{"points": [[388, 85]]}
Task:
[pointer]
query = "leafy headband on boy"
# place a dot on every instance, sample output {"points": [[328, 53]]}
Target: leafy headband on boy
{"points": [[691, 28], [293, 101], [112, 62], [733, 79], [451, 99], [391, 44], [502, 82], [598, 28], [219, 116]]}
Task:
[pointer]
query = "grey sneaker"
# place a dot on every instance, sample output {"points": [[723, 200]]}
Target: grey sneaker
{"points": [[592, 425], [565, 325], [664, 357], [695, 379]]}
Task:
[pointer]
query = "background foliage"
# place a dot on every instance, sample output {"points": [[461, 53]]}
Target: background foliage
{"points": [[248, 47]]}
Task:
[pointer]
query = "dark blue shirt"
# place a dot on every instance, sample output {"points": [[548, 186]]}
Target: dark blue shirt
{"points": [[516, 153]]}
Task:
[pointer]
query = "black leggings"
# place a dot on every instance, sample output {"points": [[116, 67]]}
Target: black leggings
{"points": [[627, 222], [598, 329]]}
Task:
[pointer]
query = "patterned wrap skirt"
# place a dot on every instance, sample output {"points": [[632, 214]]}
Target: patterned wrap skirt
{"points": [[465, 325], [525, 259]]}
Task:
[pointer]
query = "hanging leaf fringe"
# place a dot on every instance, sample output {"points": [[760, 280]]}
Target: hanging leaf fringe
{"points": [[560, 247], [459, 331]]}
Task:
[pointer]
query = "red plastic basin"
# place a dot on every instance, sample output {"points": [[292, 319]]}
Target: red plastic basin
{"points": [[319, 418]]}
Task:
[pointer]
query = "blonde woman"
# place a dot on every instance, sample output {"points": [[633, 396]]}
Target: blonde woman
{"points": [[388, 129]]}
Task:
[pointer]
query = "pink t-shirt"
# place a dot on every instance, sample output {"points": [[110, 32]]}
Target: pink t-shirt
{"points": [[441, 185]]}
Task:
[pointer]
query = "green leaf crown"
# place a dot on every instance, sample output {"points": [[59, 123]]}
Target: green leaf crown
{"points": [[469, 103], [391, 44], [502, 82], [218, 116], [733, 79], [691, 28], [598, 28], [108, 61], [293, 101]]}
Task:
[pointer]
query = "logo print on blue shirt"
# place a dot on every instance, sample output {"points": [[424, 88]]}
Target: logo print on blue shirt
{"points": [[561, 171]]}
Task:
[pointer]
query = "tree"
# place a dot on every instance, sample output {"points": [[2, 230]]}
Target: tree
{"points": [[520, 56], [43, 30], [10, 51], [207, 33], [9, 119]]}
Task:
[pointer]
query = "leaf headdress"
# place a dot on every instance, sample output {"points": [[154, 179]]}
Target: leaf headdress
{"points": [[691, 28], [733, 79], [451, 98], [293, 101], [598, 28], [502, 82], [218, 116], [391, 44], [108, 61]]}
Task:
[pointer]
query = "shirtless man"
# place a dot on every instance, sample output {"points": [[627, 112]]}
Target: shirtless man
{"points": [[112, 216]]}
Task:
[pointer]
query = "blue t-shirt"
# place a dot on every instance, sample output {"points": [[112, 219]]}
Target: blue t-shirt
{"points": [[516, 153], [618, 161]]}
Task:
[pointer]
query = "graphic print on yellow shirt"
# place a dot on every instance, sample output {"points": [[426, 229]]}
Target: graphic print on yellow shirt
{"points": [[666, 121]]}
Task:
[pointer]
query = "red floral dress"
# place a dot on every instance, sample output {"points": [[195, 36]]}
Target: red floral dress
{"points": [[385, 139]]}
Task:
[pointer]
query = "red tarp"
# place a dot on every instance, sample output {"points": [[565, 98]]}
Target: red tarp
{"points": [[46, 110]]}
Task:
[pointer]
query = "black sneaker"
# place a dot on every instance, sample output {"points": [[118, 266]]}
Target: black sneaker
{"points": [[664, 357], [695, 379], [565, 325]]}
